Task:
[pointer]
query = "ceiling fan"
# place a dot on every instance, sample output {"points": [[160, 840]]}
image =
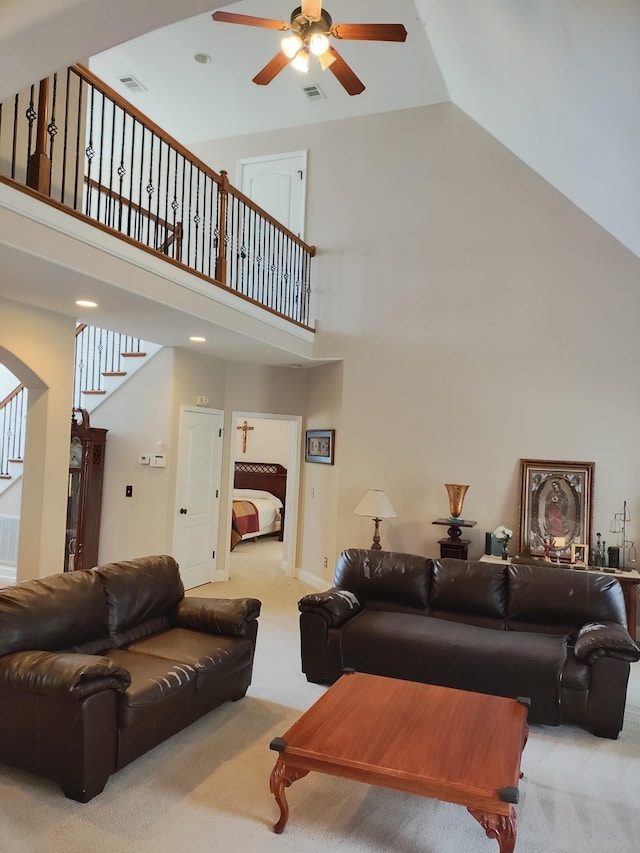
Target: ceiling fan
{"points": [[310, 27]]}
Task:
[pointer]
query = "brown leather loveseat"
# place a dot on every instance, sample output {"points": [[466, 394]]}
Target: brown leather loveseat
{"points": [[99, 666], [557, 636]]}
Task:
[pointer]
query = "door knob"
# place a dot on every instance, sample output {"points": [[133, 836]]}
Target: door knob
{"points": [[183, 510]]}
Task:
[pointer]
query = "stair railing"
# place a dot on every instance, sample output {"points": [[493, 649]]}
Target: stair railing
{"points": [[99, 354], [13, 412], [80, 145]]}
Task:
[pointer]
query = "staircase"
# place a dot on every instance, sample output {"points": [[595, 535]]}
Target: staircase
{"points": [[103, 361]]}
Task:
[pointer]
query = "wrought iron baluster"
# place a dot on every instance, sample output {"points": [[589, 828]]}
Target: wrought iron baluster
{"points": [[160, 230], [14, 144], [79, 127]]}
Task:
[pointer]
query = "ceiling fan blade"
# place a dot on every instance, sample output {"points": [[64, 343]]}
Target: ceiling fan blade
{"points": [[345, 74], [311, 9], [271, 69], [370, 32], [250, 21]]}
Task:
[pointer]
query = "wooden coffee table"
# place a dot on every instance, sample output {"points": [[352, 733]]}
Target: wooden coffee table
{"points": [[450, 745]]}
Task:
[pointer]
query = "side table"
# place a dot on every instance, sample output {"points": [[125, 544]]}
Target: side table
{"points": [[454, 546]]}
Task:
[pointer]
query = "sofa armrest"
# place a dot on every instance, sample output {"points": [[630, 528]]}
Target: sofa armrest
{"points": [[605, 638], [62, 675], [335, 606], [228, 616]]}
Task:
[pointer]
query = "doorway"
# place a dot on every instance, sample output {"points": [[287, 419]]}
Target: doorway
{"points": [[258, 437], [278, 184], [198, 494]]}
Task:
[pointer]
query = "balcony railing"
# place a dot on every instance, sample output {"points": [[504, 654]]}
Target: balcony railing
{"points": [[76, 142]]}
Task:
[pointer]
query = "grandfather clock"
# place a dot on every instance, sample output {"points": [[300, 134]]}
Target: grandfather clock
{"points": [[84, 498]]}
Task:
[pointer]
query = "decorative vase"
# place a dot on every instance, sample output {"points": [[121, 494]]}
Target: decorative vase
{"points": [[456, 498], [505, 549]]}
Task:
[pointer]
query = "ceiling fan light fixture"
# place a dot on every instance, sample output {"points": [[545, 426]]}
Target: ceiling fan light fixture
{"points": [[291, 45], [301, 60], [318, 44], [326, 59]]}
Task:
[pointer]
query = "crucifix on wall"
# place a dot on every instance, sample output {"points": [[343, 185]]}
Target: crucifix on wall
{"points": [[245, 429]]}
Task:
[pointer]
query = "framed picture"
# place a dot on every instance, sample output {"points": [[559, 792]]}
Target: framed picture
{"points": [[580, 553], [319, 445], [556, 505]]}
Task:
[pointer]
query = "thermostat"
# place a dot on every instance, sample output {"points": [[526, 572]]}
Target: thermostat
{"points": [[158, 460]]}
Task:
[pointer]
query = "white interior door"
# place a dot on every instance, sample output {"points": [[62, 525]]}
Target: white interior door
{"points": [[278, 184], [198, 494]]}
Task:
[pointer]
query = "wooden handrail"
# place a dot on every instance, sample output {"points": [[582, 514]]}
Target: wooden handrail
{"points": [[10, 396]]}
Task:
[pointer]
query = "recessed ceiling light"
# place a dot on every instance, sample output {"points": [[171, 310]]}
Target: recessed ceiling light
{"points": [[202, 58], [197, 340], [86, 303]]}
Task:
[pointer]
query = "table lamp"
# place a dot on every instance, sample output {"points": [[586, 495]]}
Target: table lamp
{"points": [[376, 505]]}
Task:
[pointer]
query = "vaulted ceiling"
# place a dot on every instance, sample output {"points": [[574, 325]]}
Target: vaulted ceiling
{"points": [[555, 81]]}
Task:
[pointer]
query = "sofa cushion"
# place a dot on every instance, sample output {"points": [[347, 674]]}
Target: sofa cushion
{"points": [[475, 593], [155, 682], [384, 576], [466, 657], [557, 600], [207, 655], [140, 593], [53, 613]]}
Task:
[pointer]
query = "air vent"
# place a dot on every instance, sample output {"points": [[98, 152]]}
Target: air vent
{"points": [[132, 84], [314, 93]]}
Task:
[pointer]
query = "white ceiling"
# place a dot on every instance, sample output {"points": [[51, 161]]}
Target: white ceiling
{"points": [[555, 81], [196, 102]]}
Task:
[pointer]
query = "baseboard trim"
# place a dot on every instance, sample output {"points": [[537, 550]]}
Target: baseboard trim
{"points": [[312, 580]]}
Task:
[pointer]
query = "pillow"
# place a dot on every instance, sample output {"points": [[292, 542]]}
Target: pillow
{"points": [[247, 494]]}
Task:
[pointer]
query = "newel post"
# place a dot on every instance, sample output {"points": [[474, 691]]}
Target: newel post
{"points": [[39, 168], [221, 260]]}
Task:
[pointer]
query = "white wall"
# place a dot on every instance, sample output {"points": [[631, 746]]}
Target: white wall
{"points": [[267, 441], [557, 84], [481, 316], [8, 382], [37, 347], [137, 415]]}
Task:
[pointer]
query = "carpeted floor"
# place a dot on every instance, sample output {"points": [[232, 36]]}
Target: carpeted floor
{"points": [[207, 789]]}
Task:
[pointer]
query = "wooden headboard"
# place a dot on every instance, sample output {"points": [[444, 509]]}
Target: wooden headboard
{"points": [[268, 476]]}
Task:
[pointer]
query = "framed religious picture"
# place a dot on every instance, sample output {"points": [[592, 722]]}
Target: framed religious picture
{"points": [[319, 445], [556, 500]]}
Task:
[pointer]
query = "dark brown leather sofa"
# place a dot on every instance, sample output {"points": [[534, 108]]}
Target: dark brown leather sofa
{"points": [[557, 636], [99, 666]]}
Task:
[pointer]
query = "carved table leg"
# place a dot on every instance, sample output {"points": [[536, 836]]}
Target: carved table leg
{"points": [[501, 827], [282, 777]]}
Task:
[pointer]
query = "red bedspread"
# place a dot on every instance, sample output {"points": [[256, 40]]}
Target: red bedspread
{"points": [[245, 517]]}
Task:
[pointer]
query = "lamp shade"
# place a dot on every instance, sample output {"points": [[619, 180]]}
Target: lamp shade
{"points": [[375, 504]]}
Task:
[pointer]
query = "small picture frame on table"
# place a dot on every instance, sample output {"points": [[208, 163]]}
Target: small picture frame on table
{"points": [[319, 446], [579, 553]]}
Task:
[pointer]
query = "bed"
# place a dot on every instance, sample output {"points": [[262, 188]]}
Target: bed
{"points": [[259, 495]]}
